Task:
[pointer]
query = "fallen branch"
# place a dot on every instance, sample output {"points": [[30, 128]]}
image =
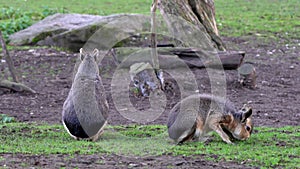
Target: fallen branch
{"points": [[154, 53], [17, 87], [6, 85], [8, 59]]}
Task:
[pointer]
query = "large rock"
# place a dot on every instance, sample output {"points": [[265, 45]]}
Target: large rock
{"points": [[72, 31], [51, 26]]}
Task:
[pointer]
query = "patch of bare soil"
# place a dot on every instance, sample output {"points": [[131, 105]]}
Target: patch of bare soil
{"points": [[111, 161], [48, 71]]}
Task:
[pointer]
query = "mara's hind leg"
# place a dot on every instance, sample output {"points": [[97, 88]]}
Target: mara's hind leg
{"points": [[199, 134], [186, 136], [189, 134], [100, 132], [76, 138]]}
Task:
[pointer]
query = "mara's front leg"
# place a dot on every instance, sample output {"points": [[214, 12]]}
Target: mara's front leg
{"points": [[217, 127]]}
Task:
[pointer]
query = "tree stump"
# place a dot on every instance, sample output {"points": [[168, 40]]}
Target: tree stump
{"points": [[247, 75], [144, 78], [201, 13]]}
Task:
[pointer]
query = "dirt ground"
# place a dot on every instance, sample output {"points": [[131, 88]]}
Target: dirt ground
{"points": [[48, 71]]}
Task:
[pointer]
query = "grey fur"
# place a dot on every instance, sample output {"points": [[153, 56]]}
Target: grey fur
{"points": [[85, 110]]}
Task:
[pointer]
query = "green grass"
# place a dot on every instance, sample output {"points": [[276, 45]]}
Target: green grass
{"points": [[41, 139], [101, 7], [271, 18], [265, 17], [268, 147], [20, 14], [6, 119]]}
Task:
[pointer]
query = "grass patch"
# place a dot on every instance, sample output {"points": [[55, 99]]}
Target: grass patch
{"points": [[6, 119], [279, 18], [9, 48], [267, 18], [103, 7], [18, 15], [268, 147], [14, 19], [41, 139]]}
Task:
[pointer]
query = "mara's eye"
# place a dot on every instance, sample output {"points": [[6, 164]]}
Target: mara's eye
{"points": [[136, 82], [248, 128]]}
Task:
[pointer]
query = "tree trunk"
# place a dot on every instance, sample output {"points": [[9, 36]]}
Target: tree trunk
{"points": [[201, 13]]}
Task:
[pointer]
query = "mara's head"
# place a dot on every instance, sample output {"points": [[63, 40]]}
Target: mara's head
{"points": [[88, 63], [239, 125]]}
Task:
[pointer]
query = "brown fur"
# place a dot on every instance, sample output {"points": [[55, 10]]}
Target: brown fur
{"points": [[200, 123], [195, 116]]}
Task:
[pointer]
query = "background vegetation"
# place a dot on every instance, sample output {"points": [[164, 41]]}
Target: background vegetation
{"points": [[271, 18]]}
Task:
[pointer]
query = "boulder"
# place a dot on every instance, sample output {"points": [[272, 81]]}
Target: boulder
{"points": [[51, 26], [72, 31]]}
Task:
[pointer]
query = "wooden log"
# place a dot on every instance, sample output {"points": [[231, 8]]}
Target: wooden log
{"points": [[201, 59], [193, 57]]}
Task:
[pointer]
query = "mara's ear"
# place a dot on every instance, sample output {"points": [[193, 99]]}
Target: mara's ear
{"points": [[82, 53], [95, 54], [246, 115]]}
